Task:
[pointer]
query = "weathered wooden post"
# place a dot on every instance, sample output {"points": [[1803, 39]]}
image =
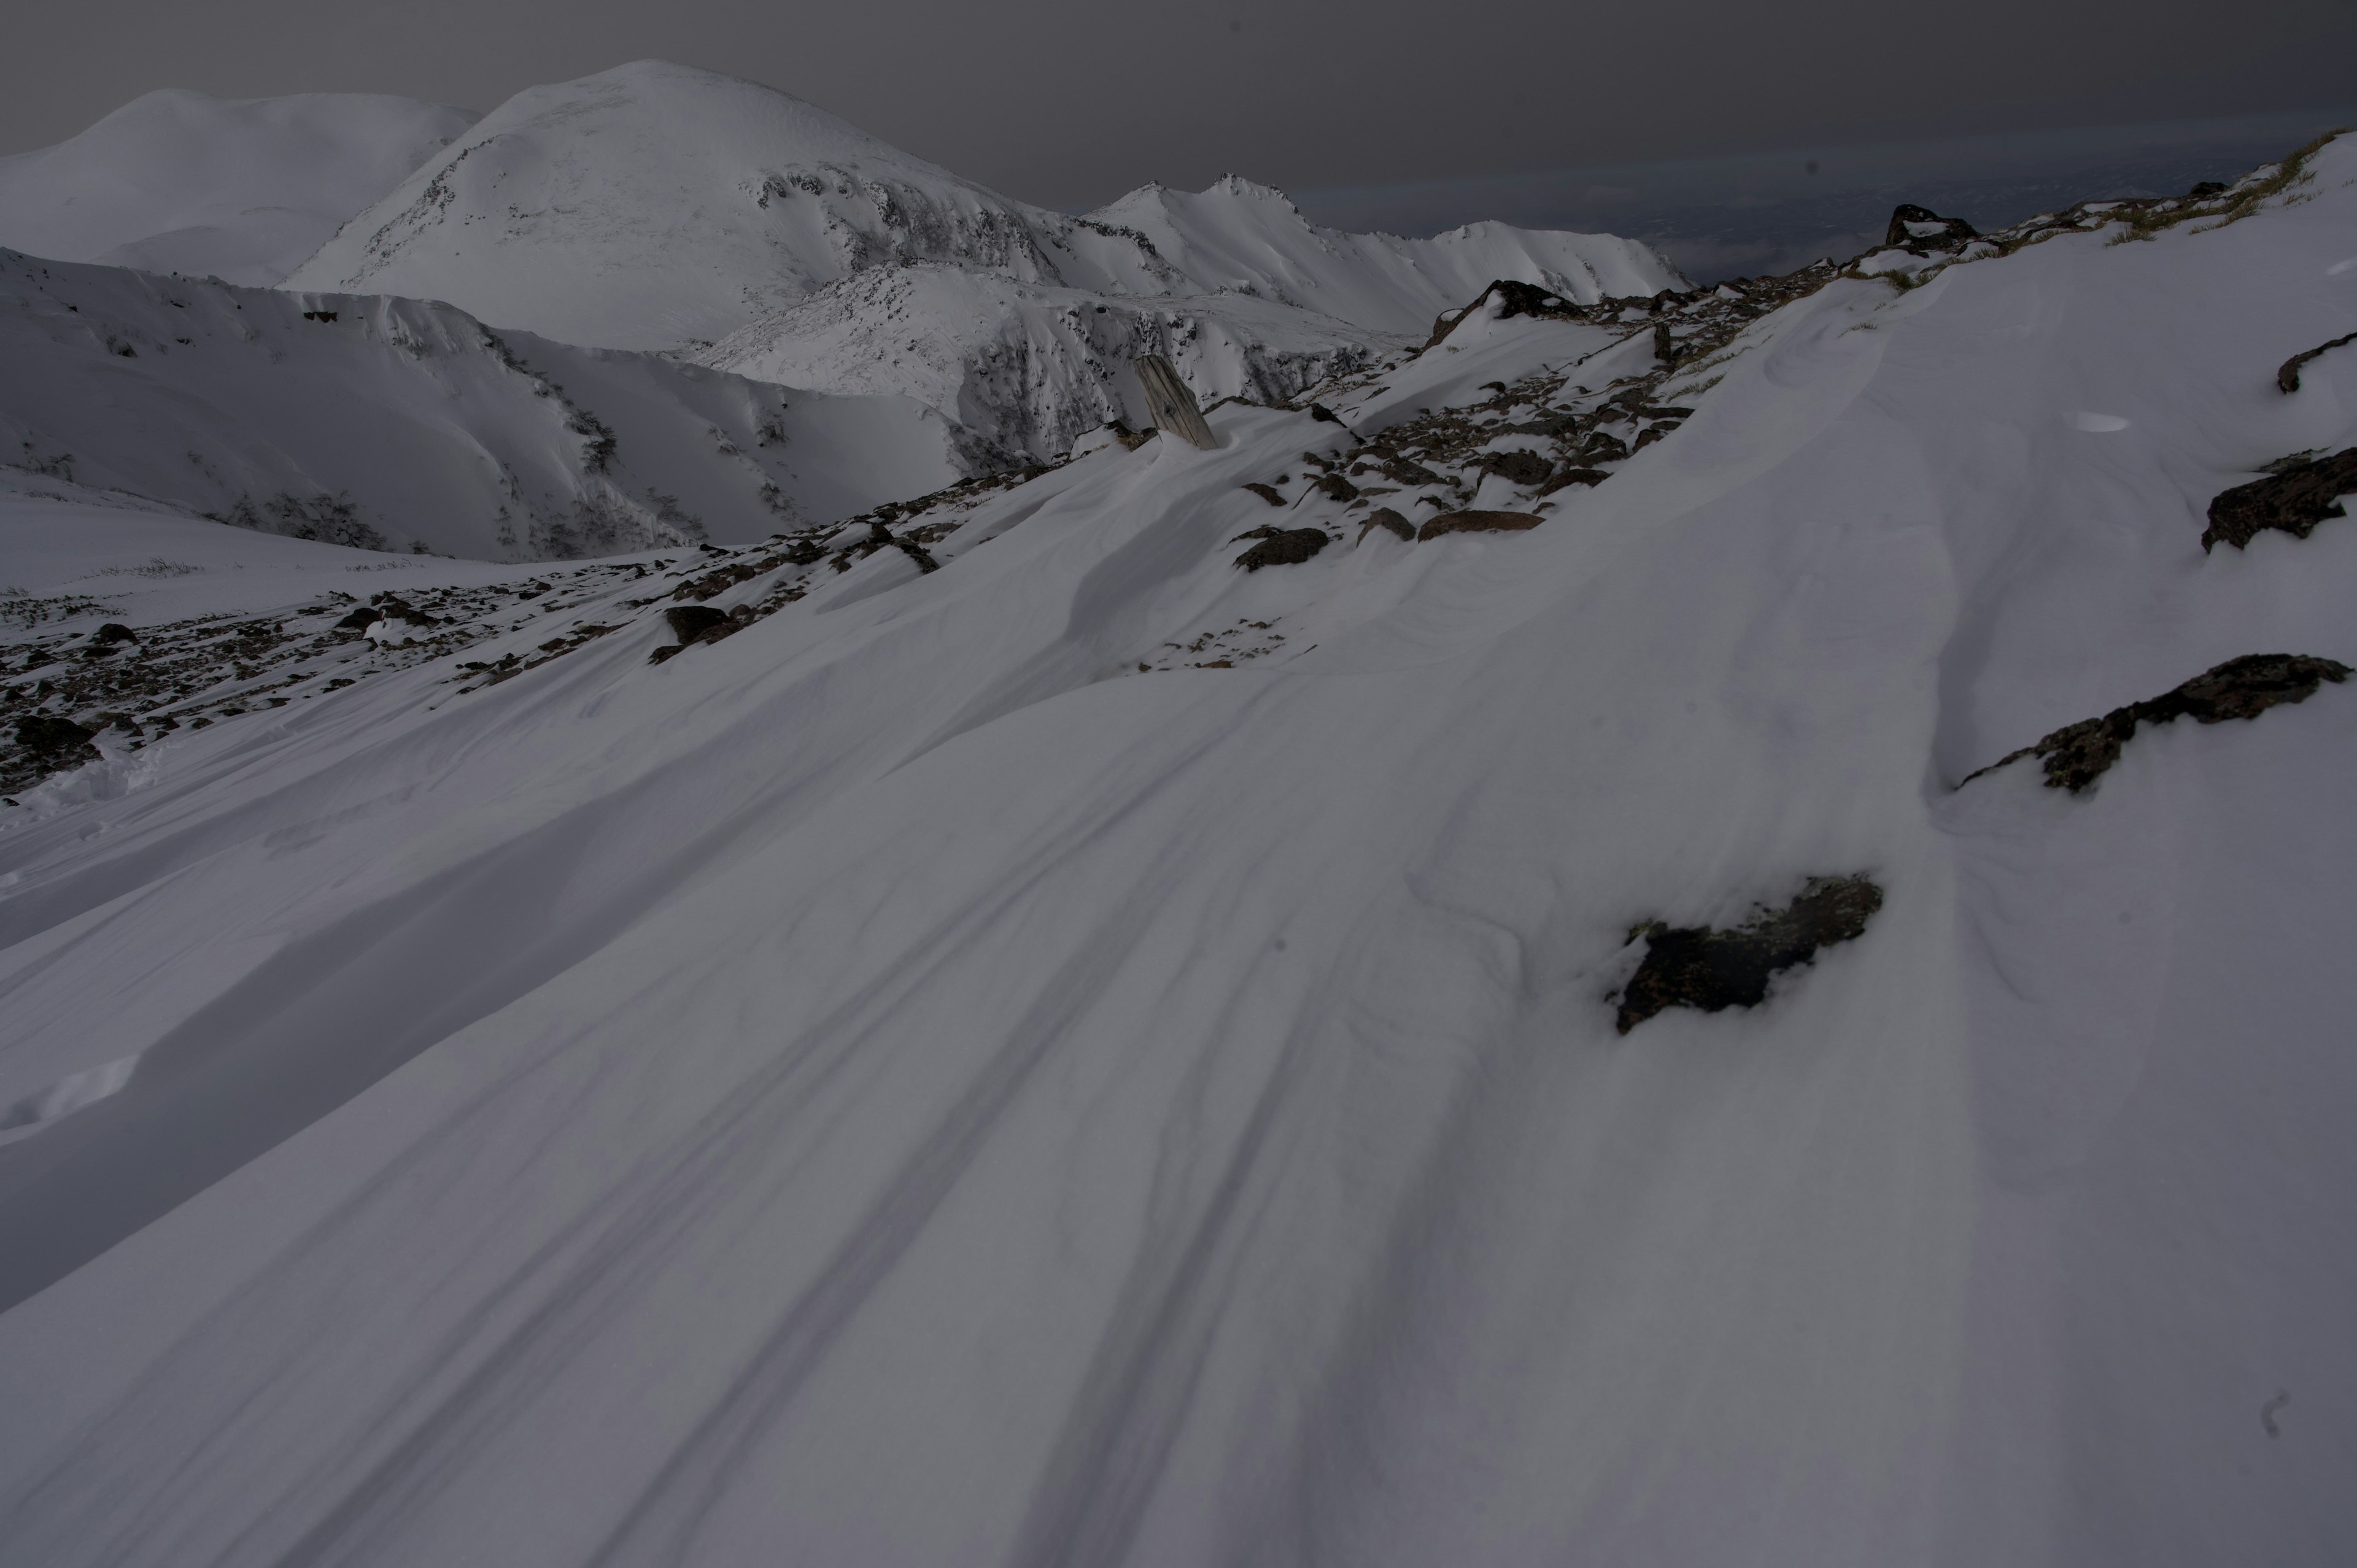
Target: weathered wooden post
{"points": [[1171, 404]]}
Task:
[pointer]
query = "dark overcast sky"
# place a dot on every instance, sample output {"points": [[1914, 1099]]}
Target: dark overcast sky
{"points": [[1068, 103]]}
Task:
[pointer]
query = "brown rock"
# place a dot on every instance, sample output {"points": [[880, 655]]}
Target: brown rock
{"points": [[2077, 755], [1267, 493], [1384, 518], [1478, 523], [1284, 547], [2295, 500], [2288, 377], [692, 623], [1524, 468]]}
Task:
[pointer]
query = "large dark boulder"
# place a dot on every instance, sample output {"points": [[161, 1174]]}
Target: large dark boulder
{"points": [[1918, 228], [1700, 967], [1525, 468], [2295, 499], [1283, 547], [691, 623]]}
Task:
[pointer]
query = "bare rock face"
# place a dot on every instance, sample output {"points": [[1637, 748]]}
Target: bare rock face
{"points": [[1478, 523], [2077, 755], [1384, 518], [1283, 547], [1918, 228], [1267, 493], [2295, 499], [1699, 966]]}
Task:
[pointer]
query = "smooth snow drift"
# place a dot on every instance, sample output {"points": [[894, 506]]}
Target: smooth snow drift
{"points": [[924, 1080], [242, 190]]}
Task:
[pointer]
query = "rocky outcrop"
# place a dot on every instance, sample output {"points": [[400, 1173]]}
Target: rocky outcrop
{"points": [[1282, 547], [1700, 967], [2077, 755], [1478, 523], [2296, 498], [2288, 375]]}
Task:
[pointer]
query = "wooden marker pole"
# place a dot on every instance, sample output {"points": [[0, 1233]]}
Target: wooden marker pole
{"points": [[1172, 405]]}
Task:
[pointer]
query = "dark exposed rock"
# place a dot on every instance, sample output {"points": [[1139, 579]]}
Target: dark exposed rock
{"points": [[1384, 518], [1407, 471], [1514, 299], [1283, 547], [113, 631], [1267, 493], [1698, 966], [691, 623], [1341, 488], [360, 619], [1524, 468], [1920, 229], [2077, 755], [1574, 476], [2295, 500], [2288, 377], [1478, 523], [55, 737], [1320, 411]]}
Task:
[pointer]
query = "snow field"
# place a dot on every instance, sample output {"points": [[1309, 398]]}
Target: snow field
{"points": [[899, 1085]]}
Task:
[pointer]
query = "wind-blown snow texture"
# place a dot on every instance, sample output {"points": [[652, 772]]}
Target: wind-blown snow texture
{"points": [[243, 190], [905, 1085]]}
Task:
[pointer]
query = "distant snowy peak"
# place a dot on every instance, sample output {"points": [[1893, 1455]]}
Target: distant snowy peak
{"points": [[658, 206], [240, 188], [1026, 367], [653, 205], [1251, 238]]}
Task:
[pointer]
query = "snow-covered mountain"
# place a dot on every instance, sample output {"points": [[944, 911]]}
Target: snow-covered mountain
{"points": [[1251, 239], [1097, 1021], [406, 424], [243, 190], [655, 207], [1025, 367]]}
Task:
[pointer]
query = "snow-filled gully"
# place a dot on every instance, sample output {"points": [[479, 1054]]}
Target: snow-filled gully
{"points": [[905, 1084]]}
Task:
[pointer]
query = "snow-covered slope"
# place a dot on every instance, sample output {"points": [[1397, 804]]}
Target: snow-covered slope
{"points": [[1247, 237], [655, 206], [660, 208], [922, 1081], [243, 190], [406, 425], [1028, 367]]}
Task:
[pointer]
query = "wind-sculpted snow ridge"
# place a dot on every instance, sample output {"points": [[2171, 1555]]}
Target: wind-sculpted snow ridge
{"points": [[404, 424], [244, 189], [901, 1082]]}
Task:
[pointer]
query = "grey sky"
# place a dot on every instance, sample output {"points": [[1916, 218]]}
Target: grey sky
{"points": [[1068, 103]]}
